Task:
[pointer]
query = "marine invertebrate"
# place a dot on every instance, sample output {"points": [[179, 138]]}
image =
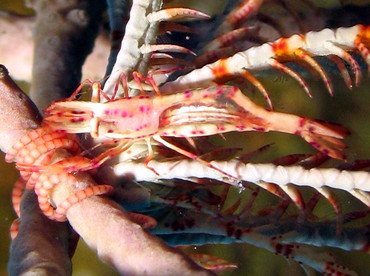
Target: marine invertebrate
{"points": [[175, 198]]}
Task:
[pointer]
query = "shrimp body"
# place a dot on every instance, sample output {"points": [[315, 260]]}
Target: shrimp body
{"points": [[126, 118], [194, 113]]}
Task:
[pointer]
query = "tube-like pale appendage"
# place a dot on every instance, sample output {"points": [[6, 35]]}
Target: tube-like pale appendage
{"points": [[280, 175]]}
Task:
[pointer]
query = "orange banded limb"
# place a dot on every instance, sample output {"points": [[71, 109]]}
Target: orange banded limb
{"points": [[40, 141], [44, 186], [31, 153], [17, 192], [14, 228], [62, 208], [25, 141], [49, 179], [146, 222]]}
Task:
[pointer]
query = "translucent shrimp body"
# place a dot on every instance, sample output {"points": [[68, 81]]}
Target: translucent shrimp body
{"points": [[194, 113]]}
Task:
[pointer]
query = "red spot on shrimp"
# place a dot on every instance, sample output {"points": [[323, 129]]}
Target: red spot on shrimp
{"points": [[187, 94], [76, 120], [124, 114], [144, 108], [221, 128], [194, 132], [261, 129], [61, 131], [232, 93], [302, 122], [219, 90], [325, 151]]}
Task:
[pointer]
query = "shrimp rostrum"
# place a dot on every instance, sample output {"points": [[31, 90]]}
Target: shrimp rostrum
{"points": [[193, 113]]}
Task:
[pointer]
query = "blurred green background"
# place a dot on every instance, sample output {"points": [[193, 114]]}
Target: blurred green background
{"points": [[350, 108]]}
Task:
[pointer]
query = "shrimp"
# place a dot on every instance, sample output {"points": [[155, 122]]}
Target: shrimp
{"points": [[194, 113]]}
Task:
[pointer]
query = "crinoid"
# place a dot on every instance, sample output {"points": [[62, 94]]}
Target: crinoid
{"points": [[167, 129]]}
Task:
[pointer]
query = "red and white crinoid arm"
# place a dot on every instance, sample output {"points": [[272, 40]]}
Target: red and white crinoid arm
{"points": [[326, 42]]}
